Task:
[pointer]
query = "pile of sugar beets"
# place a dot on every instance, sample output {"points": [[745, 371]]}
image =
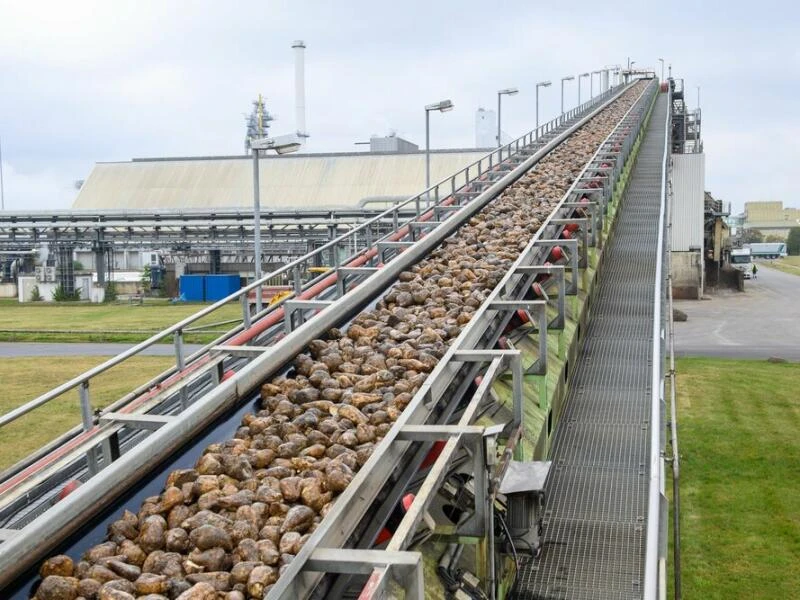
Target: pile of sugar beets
{"points": [[229, 527]]}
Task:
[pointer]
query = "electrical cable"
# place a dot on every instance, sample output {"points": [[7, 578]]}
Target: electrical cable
{"points": [[513, 548]]}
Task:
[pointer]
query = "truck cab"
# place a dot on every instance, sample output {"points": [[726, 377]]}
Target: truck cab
{"points": [[741, 261]]}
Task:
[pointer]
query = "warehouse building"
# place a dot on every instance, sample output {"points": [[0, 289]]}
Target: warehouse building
{"points": [[771, 218], [292, 181]]}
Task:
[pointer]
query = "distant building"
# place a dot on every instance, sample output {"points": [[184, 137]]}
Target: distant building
{"points": [[771, 218], [735, 223], [485, 128], [343, 179], [391, 143]]}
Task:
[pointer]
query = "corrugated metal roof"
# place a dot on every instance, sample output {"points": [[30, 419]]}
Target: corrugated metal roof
{"points": [[688, 192], [289, 181]]}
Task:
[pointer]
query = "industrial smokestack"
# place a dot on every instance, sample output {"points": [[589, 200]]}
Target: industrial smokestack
{"points": [[300, 87]]}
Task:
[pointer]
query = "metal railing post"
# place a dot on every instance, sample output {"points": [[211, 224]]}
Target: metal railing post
{"points": [[245, 311], [180, 363], [88, 423]]}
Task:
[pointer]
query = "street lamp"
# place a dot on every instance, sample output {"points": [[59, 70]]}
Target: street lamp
{"points": [[662, 68], [563, 79], [591, 83], [538, 85], [442, 106], [283, 144], [579, 85], [500, 94]]}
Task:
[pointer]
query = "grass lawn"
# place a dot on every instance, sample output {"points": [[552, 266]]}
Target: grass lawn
{"points": [[81, 322], [787, 264], [22, 379], [739, 440]]}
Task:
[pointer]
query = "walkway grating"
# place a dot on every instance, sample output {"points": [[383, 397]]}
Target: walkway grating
{"points": [[595, 523]]}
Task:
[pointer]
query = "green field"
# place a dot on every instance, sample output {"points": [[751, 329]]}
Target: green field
{"points": [[787, 264], [83, 322], [22, 379], [739, 428]]}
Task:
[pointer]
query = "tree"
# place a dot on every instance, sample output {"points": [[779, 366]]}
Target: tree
{"points": [[752, 236], [145, 280], [772, 238], [793, 241]]}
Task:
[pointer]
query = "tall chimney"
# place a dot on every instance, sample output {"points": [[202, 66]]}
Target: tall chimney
{"points": [[300, 87]]}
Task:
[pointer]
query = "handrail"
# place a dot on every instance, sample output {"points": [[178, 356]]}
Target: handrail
{"points": [[652, 575], [675, 457], [491, 160]]}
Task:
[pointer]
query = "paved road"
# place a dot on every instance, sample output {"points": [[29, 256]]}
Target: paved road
{"points": [[761, 322], [18, 349]]}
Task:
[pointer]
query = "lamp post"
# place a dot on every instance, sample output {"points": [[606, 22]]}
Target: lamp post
{"points": [[538, 85], [582, 75], [282, 145], [661, 60], [591, 83], [500, 94], [442, 106], [563, 79]]}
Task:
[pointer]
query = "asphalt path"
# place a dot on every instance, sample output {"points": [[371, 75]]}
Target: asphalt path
{"points": [[761, 322], [23, 349]]}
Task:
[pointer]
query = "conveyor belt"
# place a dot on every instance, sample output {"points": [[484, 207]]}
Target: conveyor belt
{"points": [[231, 391], [597, 492]]}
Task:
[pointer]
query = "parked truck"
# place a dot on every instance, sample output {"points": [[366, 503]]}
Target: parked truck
{"points": [[767, 250], [741, 261]]}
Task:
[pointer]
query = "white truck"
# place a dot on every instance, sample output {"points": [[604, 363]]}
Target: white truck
{"points": [[741, 261], [767, 249]]}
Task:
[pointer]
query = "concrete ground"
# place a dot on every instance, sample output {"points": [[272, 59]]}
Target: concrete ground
{"points": [[13, 349], [761, 322]]}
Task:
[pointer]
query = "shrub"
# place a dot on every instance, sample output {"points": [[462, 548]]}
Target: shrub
{"points": [[793, 241], [36, 295], [61, 295], [111, 292]]}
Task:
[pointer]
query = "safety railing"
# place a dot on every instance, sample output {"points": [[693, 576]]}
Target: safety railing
{"points": [[342, 251], [655, 552]]}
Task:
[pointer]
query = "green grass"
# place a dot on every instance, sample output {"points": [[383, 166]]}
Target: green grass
{"points": [[739, 440], [22, 379], [83, 322], [787, 264]]}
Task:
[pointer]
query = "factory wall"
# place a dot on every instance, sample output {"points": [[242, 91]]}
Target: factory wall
{"points": [[688, 192], [687, 275], [8, 290], [297, 181]]}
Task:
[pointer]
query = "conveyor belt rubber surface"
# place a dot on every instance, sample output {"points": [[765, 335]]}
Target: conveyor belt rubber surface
{"points": [[595, 524]]}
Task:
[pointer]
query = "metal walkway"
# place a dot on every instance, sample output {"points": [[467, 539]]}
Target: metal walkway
{"points": [[597, 492]]}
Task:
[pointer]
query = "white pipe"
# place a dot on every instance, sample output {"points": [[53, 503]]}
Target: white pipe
{"points": [[300, 88]]}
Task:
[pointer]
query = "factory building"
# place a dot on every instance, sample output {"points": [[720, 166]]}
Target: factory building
{"points": [[771, 218], [688, 199], [303, 181]]}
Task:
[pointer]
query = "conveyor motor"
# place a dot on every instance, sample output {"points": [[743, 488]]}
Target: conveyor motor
{"points": [[523, 487]]}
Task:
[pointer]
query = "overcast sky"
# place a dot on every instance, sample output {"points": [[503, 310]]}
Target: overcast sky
{"points": [[82, 82]]}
